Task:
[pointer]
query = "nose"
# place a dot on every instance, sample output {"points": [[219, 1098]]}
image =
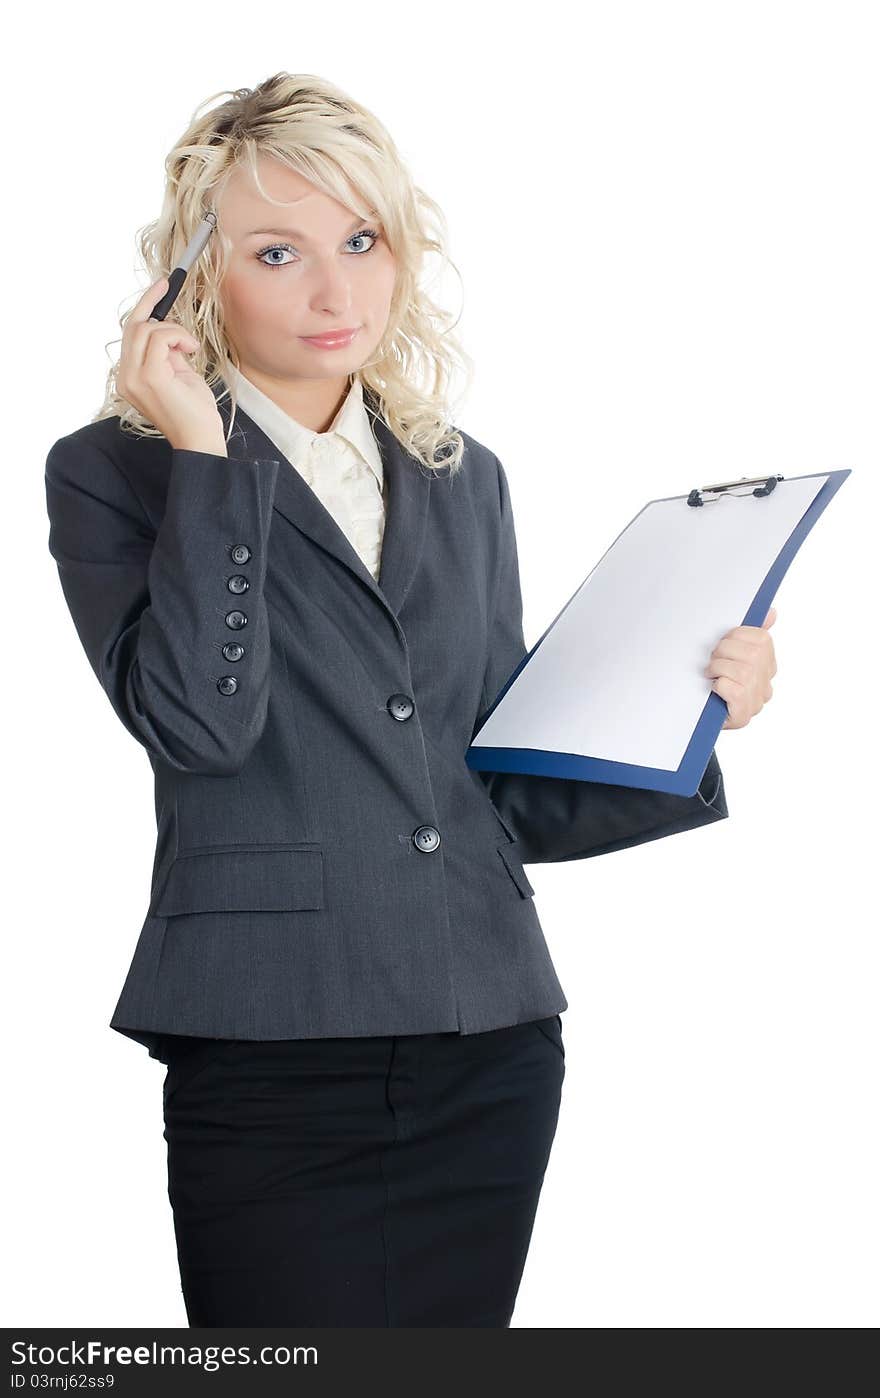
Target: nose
{"points": [[330, 287]]}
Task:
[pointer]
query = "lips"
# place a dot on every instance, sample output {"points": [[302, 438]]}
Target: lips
{"points": [[332, 339]]}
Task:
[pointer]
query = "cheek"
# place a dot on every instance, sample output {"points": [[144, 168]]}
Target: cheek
{"points": [[247, 297], [382, 282], [234, 299]]}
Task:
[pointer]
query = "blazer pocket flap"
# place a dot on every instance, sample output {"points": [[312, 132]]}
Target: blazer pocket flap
{"points": [[515, 868], [243, 880]]}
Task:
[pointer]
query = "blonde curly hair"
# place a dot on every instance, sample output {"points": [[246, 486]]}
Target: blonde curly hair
{"points": [[319, 131]]}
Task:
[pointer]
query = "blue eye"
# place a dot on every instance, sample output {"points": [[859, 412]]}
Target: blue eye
{"points": [[285, 247]]}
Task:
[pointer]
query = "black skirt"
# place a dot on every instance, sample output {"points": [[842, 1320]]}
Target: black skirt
{"points": [[382, 1181]]}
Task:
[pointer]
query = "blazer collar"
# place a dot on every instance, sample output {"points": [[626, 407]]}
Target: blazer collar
{"points": [[407, 491]]}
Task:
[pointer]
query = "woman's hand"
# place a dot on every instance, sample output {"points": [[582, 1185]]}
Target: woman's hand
{"points": [[742, 665], [155, 376]]}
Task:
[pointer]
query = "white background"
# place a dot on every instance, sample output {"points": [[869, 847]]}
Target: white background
{"points": [[666, 221]]}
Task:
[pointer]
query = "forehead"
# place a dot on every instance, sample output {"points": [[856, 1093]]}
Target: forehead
{"points": [[242, 207]]}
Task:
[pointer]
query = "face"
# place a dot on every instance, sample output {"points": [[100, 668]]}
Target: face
{"points": [[303, 270]]}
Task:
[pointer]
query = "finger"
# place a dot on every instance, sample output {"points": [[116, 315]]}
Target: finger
{"points": [[753, 633], [730, 690], [137, 326], [739, 670], [166, 335], [149, 301], [737, 648], [167, 341]]}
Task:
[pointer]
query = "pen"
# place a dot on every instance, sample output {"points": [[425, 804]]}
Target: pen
{"points": [[178, 275]]}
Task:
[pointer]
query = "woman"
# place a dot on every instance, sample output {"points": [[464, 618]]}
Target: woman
{"points": [[298, 586]]}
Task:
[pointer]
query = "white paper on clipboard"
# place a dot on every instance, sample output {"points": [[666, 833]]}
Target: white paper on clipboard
{"points": [[618, 676]]}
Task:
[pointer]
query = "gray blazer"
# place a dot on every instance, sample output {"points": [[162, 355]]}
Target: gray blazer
{"points": [[326, 863]]}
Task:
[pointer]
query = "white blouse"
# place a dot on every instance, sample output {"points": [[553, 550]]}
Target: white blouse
{"points": [[343, 465]]}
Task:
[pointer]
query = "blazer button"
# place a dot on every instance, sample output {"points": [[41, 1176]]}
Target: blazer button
{"points": [[236, 620], [233, 650], [228, 684], [237, 583], [426, 838], [240, 553], [400, 706]]}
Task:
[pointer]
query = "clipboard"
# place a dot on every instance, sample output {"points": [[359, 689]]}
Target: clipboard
{"points": [[520, 733]]}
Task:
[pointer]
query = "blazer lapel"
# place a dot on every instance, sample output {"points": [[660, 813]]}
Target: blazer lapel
{"points": [[407, 492]]}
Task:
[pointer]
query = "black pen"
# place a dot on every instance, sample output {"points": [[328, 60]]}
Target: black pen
{"points": [[178, 276]]}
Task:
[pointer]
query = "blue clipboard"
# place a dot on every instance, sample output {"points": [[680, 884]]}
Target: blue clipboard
{"points": [[686, 779]]}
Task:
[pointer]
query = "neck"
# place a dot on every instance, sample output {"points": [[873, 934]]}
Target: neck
{"points": [[313, 403]]}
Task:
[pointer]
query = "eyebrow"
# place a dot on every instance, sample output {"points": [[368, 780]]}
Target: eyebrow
{"points": [[295, 232]]}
